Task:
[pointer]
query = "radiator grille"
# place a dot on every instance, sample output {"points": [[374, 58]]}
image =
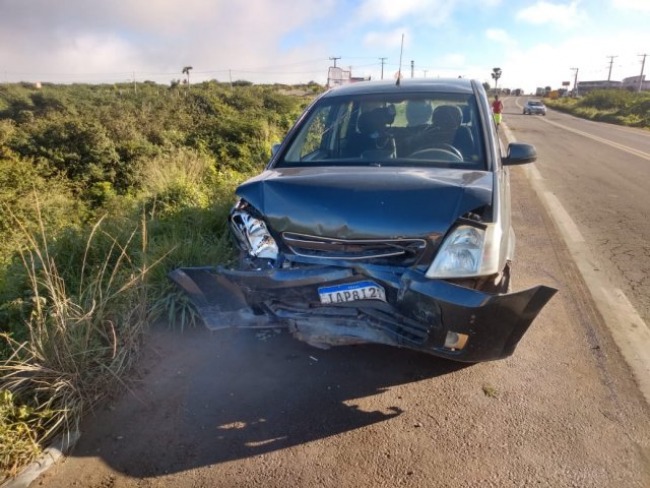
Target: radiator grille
{"points": [[395, 251]]}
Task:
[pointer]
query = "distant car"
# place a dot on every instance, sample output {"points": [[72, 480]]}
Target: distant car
{"points": [[384, 217], [534, 107]]}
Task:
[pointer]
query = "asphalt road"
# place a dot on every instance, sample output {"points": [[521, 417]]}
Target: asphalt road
{"points": [[259, 409], [601, 175]]}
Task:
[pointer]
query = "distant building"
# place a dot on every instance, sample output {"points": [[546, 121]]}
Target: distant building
{"points": [[632, 83], [587, 86], [337, 76]]}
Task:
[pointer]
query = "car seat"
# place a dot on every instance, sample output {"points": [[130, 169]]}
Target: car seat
{"points": [[447, 129], [373, 140]]}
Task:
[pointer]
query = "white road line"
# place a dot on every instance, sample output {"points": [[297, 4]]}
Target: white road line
{"points": [[622, 147], [568, 225], [630, 333]]}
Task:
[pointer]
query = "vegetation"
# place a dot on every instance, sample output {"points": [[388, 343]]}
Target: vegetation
{"points": [[614, 106], [104, 189]]}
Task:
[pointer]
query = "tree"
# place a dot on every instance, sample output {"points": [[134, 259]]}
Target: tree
{"points": [[496, 74], [186, 71]]}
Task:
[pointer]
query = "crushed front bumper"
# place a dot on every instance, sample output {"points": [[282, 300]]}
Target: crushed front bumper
{"points": [[419, 313]]}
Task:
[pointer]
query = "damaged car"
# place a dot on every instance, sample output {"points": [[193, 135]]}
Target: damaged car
{"points": [[383, 217]]}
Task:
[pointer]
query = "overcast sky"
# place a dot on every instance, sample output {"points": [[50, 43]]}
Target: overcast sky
{"points": [[534, 42]]}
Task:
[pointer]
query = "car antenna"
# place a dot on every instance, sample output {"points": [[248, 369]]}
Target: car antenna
{"points": [[399, 70]]}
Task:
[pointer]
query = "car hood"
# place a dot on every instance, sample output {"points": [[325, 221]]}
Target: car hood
{"points": [[366, 203]]}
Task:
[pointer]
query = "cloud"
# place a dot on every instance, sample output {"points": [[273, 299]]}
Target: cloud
{"points": [[387, 39], [50, 41], [498, 35], [549, 64], [563, 15], [453, 60], [434, 12], [640, 5]]}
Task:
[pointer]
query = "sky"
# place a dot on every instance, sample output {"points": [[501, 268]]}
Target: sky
{"points": [[536, 43]]}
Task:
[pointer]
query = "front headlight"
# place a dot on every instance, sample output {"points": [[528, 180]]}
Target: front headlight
{"points": [[467, 251], [252, 233]]}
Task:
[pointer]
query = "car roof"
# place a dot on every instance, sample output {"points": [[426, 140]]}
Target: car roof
{"points": [[437, 85]]}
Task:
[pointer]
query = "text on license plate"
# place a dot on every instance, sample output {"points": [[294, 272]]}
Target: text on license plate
{"points": [[350, 292]]}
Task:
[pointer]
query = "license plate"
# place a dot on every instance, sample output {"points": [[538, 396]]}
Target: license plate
{"points": [[350, 292]]}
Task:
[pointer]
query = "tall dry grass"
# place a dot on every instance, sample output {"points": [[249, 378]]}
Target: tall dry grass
{"points": [[80, 342]]}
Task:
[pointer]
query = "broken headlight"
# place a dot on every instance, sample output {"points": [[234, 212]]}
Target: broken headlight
{"points": [[468, 251], [251, 232]]}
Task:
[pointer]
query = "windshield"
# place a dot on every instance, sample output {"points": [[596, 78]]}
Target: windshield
{"points": [[433, 129]]}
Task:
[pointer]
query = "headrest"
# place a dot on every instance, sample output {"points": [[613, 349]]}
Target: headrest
{"points": [[376, 119], [418, 112], [447, 117]]}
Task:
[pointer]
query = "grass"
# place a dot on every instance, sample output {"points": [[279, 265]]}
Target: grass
{"points": [[79, 343], [612, 106], [490, 391], [78, 299]]}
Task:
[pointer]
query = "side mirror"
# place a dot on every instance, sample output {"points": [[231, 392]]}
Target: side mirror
{"points": [[519, 154], [275, 148]]}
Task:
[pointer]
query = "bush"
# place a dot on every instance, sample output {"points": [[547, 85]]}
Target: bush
{"points": [[613, 106]]}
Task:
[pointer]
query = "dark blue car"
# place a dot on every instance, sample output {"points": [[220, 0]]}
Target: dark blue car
{"points": [[383, 217]]}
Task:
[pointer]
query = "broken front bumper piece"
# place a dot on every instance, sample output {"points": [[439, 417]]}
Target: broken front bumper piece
{"points": [[426, 315]]}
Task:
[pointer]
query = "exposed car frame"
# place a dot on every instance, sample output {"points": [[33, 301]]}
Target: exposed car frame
{"points": [[345, 250]]}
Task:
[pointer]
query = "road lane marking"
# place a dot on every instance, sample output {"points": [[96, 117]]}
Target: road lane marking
{"points": [[568, 225], [622, 147], [630, 333], [616, 145]]}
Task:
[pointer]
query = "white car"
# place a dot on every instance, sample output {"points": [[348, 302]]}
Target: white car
{"points": [[534, 107]]}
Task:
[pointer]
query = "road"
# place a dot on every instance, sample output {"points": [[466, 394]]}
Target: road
{"points": [[259, 409], [601, 174]]}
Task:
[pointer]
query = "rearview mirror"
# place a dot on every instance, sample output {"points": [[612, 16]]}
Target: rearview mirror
{"points": [[519, 154]]}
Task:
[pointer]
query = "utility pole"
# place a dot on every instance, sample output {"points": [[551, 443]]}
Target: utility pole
{"points": [[575, 82], [611, 62], [425, 72], [334, 59], [641, 75], [382, 66], [412, 69]]}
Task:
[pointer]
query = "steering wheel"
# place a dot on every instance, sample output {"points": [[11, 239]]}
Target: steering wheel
{"points": [[443, 151]]}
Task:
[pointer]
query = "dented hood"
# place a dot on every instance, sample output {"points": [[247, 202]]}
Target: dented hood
{"points": [[366, 202]]}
